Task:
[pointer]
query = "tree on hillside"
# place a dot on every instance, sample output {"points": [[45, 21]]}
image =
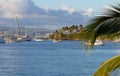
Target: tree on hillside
{"points": [[81, 27]]}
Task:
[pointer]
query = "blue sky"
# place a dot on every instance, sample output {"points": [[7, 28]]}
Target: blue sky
{"points": [[76, 4], [50, 13]]}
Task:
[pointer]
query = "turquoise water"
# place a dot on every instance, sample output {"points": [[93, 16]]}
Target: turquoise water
{"points": [[67, 58]]}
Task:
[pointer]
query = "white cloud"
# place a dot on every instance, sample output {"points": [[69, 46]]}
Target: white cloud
{"points": [[31, 14], [10, 8], [68, 9], [46, 8], [88, 12]]}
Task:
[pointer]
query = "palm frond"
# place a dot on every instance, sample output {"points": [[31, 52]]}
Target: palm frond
{"points": [[110, 26], [106, 24], [116, 7], [109, 23], [108, 66]]}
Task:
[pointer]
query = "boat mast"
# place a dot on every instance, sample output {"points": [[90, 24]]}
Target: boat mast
{"points": [[18, 31]]}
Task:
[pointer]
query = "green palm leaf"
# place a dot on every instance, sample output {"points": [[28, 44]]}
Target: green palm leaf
{"points": [[107, 24], [108, 66]]}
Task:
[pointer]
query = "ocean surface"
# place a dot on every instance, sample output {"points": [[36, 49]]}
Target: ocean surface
{"points": [[67, 58]]}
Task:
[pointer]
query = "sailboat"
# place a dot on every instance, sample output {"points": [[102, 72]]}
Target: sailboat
{"points": [[8, 39], [19, 37], [98, 42], [38, 38], [25, 37], [56, 40], [117, 39]]}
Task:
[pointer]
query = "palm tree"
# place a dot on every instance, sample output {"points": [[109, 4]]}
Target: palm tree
{"points": [[81, 27], [106, 24], [108, 66]]}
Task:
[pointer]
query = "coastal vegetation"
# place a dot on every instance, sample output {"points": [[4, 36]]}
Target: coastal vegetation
{"points": [[77, 32], [73, 32]]}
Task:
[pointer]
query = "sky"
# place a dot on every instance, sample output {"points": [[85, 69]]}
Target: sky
{"points": [[50, 14], [76, 4]]}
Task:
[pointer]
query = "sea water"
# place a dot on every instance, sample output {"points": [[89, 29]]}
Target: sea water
{"points": [[67, 58]]}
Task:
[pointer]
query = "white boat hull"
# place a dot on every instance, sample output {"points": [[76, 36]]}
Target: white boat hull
{"points": [[38, 39], [97, 43], [56, 40]]}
